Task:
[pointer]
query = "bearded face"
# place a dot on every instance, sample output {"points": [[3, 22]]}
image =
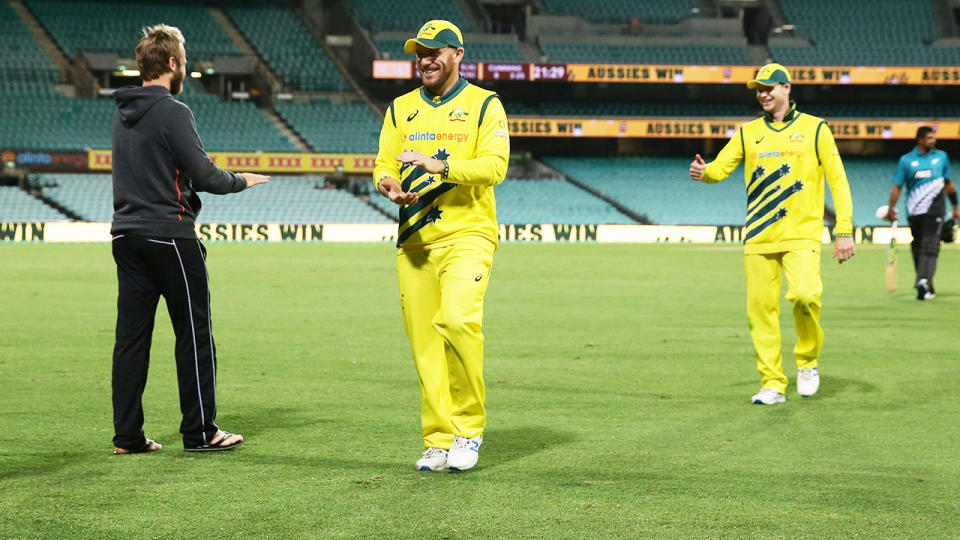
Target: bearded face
{"points": [[176, 82]]}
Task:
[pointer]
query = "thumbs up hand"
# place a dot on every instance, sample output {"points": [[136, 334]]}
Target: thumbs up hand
{"points": [[696, 168]]}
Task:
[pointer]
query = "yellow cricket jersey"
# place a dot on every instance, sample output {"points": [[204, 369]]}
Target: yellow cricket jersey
{"points": [[784, 167], [467, 126]]}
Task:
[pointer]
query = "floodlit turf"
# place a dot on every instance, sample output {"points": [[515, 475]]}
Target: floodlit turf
{"points": [[618, 385]]}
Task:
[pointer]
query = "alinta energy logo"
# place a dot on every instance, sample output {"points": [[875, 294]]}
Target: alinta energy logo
{"points": [[438, 136], [8, 157]]}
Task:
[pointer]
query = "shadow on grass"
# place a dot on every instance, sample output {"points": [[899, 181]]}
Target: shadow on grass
{"points": [[501, 446], [831, 386], [37, 463], [253, 422]]}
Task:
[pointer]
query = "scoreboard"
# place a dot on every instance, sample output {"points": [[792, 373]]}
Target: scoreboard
{"points": [[681, 74], [481, 71]]}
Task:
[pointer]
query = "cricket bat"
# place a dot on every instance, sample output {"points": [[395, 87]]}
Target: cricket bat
{"points": [[892, 259]]}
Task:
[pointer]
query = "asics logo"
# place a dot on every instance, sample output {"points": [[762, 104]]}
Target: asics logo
{"points": [[758, 140], [412, 115], [478, 278]]}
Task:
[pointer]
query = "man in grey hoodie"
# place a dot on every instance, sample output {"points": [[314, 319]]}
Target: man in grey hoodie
{"points": [[159, 165]]}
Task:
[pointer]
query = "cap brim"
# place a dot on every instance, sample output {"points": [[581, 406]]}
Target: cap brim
{"points": [[411, 44], [756, 82]]}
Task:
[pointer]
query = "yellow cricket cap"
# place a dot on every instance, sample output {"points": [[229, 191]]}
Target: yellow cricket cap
{"points": [[770, 75], [435, 35]]}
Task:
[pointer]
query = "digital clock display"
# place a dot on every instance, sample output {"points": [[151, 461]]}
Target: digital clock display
{"points": [[552, 72]]}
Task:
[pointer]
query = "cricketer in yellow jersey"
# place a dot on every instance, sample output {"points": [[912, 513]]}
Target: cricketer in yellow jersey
{"points": [[786, 155], [443, 147]]}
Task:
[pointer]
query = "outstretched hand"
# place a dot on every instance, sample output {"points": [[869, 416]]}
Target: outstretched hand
{"points": [[254, 179], [696, 168], [429, 164], [391, 189]]}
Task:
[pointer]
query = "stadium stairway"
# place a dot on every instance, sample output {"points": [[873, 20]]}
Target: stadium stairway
{"points": [[287, 131], [261, 69], [18, 205], [75, 72], [41, 35]]}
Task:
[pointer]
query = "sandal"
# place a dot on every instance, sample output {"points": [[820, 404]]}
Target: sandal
{"points": [[149, 445], [223, 440]]}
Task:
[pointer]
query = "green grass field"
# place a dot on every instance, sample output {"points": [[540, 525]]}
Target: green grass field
{"points": [[618, 386]]}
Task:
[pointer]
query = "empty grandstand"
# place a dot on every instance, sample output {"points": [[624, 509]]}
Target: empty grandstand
{"points": [[114, 26], [286, 46], [18, 205], [622, 11], [407, 15], [89, 196], [659, 188], [316, 94], [571, 51], [290, 200], [23, 59], [36, 115], [475, 50], [886, 32], [552, 200], [232, 125], [334, 127]]}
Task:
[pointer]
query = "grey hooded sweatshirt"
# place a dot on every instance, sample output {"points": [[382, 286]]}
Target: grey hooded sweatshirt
{"points": [[159, 165]]}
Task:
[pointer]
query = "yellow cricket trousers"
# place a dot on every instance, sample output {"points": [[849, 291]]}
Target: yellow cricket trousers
{"points": [[764, 271], [441, 295]]}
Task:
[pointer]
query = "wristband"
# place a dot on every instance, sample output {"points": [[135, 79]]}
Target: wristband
{"points": [[446, 171], [953, 198], [844, 235]]}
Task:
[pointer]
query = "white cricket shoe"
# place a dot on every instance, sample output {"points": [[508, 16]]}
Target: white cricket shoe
{"points": [[808, 381], [434, 459], [924, 290], [464, 453], [768, 396]]}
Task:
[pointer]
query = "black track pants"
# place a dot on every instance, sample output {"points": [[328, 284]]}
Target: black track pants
{"points": [[147, 268]]}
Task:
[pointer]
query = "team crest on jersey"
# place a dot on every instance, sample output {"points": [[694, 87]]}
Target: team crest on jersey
{"points": [[797, 137], [458, 115]]}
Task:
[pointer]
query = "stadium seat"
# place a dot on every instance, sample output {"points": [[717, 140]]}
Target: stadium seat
{"points": [[474, 51], [89, 196], [552, 200], [232, 125], [289, 199], [328, 127], [646, 54], [114, 27], [407, 15], [870, 182], [622, 11], [18, 205], [23, 59], [285, 199], [889, 32], [549, 200], [286, 46], [660, 188], [34, 115]]}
